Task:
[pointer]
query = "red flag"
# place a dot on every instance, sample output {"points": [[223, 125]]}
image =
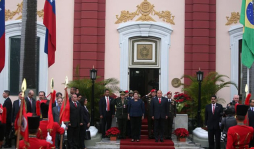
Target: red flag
{"points": [[2, 35], [24, 123], [49, 21], [50, 113], [38, 108], [65, 109]]}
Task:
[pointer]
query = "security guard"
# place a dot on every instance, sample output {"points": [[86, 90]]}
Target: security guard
{"points": [[121, 113], [172, 114], [147, 100], [239, 136]]}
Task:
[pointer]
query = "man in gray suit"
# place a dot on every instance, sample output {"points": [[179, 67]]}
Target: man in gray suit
{"points": [[56, 114]]}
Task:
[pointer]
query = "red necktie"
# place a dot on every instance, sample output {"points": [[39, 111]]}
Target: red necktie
{"points": [[108, 107], [75, 104], [213, 108], [159, 100]]}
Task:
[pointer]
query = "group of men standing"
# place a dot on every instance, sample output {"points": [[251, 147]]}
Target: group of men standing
{"points": [[38, 124], [159, 112], [236, 125]]}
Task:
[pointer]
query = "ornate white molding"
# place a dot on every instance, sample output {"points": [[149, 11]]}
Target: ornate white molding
{"points": [[144, 29], [13, 28], [236, 33]]}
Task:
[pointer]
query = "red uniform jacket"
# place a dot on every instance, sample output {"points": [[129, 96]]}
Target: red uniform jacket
{"points": [[239, 137], [35, 144], [42, 133]]}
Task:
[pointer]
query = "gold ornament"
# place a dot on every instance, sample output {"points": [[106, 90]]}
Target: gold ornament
{"points": [[145, 9], [10, 14], [234, 18], [176, 82]]}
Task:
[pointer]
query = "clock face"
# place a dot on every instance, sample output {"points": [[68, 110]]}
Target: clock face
{"points": [[176, 82]]}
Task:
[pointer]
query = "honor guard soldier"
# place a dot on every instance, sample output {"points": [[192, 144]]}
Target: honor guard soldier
{"points": [[121, 114], [34, 143], [239, 136], [147, 99], [42, 133], [172, 114]]}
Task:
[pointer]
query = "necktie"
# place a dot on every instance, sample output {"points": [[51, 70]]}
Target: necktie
{"points": [[108, 107], [159, 100], [213, 108], [75, 104]]}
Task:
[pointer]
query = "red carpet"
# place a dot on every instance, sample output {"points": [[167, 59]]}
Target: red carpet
{"points": [[146, 143]]}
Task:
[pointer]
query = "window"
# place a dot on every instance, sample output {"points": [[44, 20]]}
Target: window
{"points": [[30, 70], [243, 76]]}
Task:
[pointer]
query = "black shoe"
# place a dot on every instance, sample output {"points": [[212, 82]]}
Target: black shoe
{"points": [[170, 138], [156, 140], [161, 140]]}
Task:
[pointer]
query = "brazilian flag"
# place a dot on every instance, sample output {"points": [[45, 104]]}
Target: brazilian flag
{"points": [[247, 20]]}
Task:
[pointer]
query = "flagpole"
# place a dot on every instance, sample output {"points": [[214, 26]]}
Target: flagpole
{"points": [[61, 140], [23, 88]]}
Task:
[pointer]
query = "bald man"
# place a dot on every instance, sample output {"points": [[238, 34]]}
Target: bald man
{"points": [[234, 101], [30, 102]]}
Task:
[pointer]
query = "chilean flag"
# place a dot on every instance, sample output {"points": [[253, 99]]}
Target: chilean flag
{"points": [[50, 22], [2, 34]]}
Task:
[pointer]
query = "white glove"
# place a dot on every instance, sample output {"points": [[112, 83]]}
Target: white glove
{"points": [[63, 125], [49, 138]]}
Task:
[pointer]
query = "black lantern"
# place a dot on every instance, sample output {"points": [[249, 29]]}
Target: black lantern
{"points": [[199, 79], [200, 76], [93, 74]]}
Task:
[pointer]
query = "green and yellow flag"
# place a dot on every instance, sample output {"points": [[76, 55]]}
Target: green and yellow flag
{"points": [[247, 20]]}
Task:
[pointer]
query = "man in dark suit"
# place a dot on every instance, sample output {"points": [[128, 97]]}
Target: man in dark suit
{"points": [[251, 118], [159, 113], [30, 102], [15, 108], [107, 111], [8, 105], [56, 113], [172, 114], [213, 115], [76, 120]]}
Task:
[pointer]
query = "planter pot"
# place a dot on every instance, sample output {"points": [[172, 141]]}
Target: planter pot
{"points": [[113, 138], [181, 139]]}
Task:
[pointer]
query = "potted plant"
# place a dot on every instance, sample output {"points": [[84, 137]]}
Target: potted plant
{"points": [[113, 132], [182, 102], [181, 134]]}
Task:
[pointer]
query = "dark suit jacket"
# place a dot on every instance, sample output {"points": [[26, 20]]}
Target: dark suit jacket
{"points": [[251, 118], [159, 110], [8, 105], [15, 110], [56, 114], [102, 106], [76, 115], [212, 120], [86, 116], [28, 105]]}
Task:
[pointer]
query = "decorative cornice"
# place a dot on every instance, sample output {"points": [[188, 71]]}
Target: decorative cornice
{"points": [[234, 18], [9, 15], [145, 9]]}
